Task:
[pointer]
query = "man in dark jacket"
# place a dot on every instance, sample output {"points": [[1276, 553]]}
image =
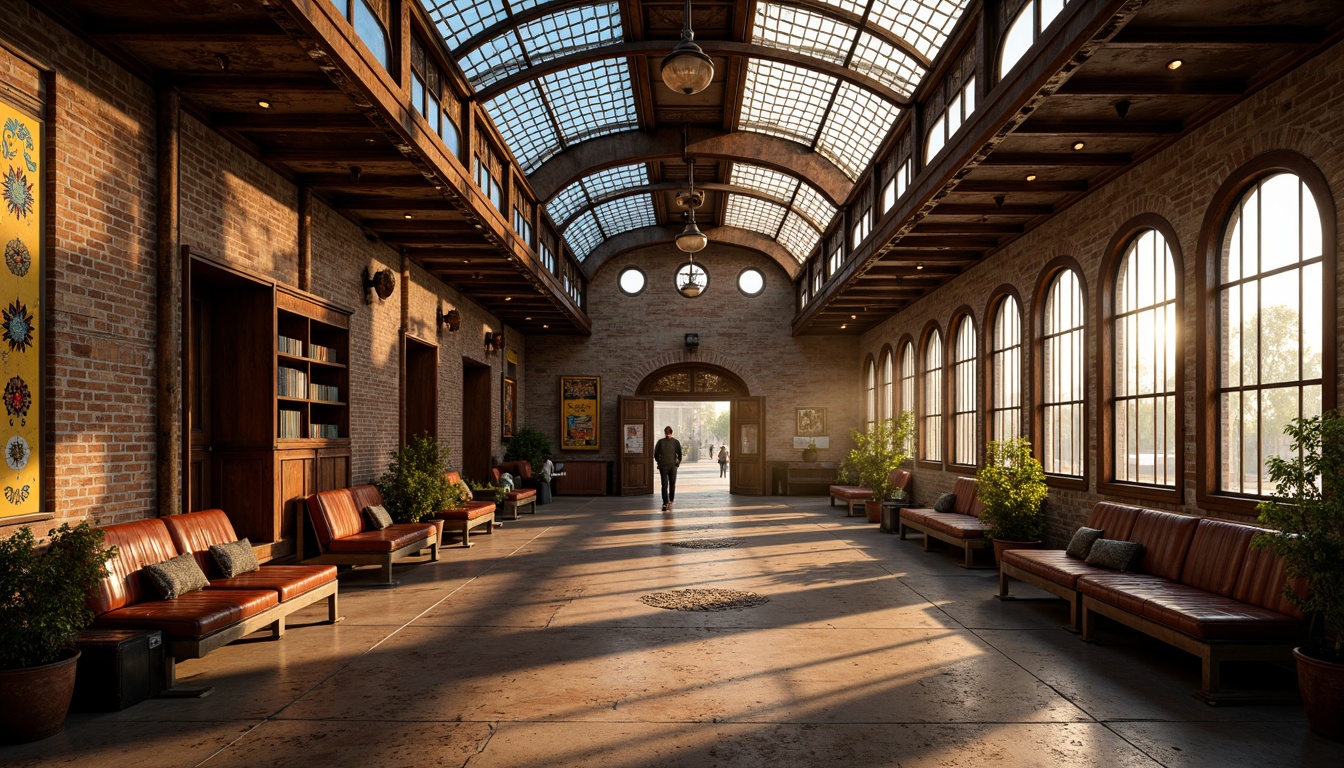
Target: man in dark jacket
{"points": [[667, 455]]}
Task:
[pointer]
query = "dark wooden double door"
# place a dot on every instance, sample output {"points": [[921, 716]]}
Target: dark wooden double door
{"points": [[637, 472]]}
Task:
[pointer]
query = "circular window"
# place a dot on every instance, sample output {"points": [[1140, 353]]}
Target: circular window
{"points": [[750, 282], [632, 282], [692, 280]]}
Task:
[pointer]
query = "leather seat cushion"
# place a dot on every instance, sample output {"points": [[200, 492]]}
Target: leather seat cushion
{"points": [[851, 492], [520, 494], [193, 615], [386, 540], [1051, 564], [471, 511], [1213, 618], [951, 523], [1124, 590], [288, 580]]}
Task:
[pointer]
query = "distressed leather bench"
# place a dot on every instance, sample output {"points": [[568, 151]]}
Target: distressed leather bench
{"points": [[472, 514], [523, 495], [850, 494], [338, 526], [962, 527]]}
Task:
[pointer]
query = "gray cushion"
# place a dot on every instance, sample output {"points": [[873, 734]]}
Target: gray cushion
{"points": [[377, 517], [945, 503], [1081, 543], [176, 577], [1116, 555], [234, 558]]}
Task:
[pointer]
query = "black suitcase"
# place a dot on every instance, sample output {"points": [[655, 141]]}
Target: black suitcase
{"points": [[117, 668]]}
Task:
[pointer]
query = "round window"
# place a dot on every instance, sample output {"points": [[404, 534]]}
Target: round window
{"points": [[692, 280], [750, 282], [632, 282]]}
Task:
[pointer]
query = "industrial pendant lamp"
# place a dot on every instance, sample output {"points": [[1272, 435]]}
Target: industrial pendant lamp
{"points": [[692, 287], [691, 239], [687, 69]]}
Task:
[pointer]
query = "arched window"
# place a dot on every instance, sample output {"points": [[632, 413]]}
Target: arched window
{"points": [[1144, 444], [908, 387], [871, 379], [1063, 449], [1035, 16], [964, 384], [931, 426], [888, 405], [369, 26], [1005, 366], [1271, 294]]}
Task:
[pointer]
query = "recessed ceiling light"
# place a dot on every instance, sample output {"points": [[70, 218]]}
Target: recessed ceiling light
{"points": [[545, 325], [1031, 177], [264, 104], [508, 298], [1077, 145], [527, 318], [466, 261], [919, 266], [853, 317], [1174, 64], [843, 326], [408, 215]]}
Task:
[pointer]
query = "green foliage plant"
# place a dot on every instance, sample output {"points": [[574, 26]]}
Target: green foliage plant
{"points": [[414, 486], [878, 451], [1306, 514], [1012, 487], [529, 444], [499, 491], [43, 592]]}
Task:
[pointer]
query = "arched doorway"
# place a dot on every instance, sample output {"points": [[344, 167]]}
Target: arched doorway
{"points": [[691, 382]]}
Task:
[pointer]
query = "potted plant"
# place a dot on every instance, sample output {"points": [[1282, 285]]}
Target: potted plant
{"points": [[533, 446], [1011, 486], [487, 492], [415, 486], [876, 453], [810, 452], [42, 607], [1307, 518]]}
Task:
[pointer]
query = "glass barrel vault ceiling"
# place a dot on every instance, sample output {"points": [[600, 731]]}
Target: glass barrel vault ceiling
{"points": [[890, 41]]}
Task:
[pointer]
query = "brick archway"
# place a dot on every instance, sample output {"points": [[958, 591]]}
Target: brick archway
{"points": [[684, 359]]}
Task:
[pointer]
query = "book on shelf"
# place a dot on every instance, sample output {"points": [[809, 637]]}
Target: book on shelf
{"points": [[290, 424], [324, 392], [321, 354], [325, 431], [290, 346], [291, 382]]}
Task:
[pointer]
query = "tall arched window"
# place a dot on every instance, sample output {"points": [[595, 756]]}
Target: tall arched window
{"points": [[871, 379], [1271, 293], [931, 421], [1005, 366], [1022, 32], [888, 405], [908, 387], [1063, 449], [964, 385], [1144, 444]]}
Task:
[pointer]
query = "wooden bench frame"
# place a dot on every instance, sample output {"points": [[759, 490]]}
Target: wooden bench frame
{"points": [[968, 546], [383, 559], [1073, 597]]}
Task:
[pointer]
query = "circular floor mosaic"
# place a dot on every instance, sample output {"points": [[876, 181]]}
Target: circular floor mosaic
{"points": [[719, 543], [704, 600]]}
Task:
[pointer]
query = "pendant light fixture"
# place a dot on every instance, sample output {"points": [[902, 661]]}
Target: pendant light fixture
{"points": [[687, 69], [692, 287], [691, 239]]}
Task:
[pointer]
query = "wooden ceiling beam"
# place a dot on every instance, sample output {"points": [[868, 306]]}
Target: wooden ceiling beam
{"points": [[364, 181], [257, 86], [987, 209], [961, 228], [1021, 185], [293, 123], [1136, 86], [189, 33], [1059, 159], [350, 155], [1243, 36], [1117, 127]]}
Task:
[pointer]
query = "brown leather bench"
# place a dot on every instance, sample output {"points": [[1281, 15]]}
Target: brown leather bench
{"points": [[472, 514], [962, 527], [522, 496], [850, 494], [198, 622], [338, 526], [1199, 586]]}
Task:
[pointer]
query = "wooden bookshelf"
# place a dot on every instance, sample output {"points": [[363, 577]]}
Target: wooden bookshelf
{"points": [[312, 376]]}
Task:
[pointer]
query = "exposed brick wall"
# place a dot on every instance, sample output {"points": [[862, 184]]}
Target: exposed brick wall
{"points": [[634, 336], [1299, 113]]}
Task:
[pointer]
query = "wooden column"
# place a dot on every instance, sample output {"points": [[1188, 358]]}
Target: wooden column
{"points": [[305, 238], [168, 331], [401, 344]]}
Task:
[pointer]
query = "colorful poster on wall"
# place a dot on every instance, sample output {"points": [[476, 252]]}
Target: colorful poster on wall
{"points": [[20, 310], [580, 413], [510, 406]]}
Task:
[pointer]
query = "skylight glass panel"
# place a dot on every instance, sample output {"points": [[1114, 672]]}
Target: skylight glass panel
{"points": [[858, 122], [458, 20], [753, 214], [571, 30], [924, 24], [519, 6], [797, 236], [626, 213], [521, 117], [887, 64], [493, 60], [802, 31], [583, 235], [565, 204], [592, 99], [617, 179], [856, 7], [814, 206], [783, 100], [764, 180]]}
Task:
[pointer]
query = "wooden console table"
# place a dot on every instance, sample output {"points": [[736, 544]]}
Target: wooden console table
{"points": [[804, 478], [583, 478]]}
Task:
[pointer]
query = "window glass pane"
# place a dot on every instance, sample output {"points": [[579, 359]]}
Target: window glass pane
{"points": [[567, 203], [797, 236], [591, 100], [1279, 222], [937, 138], [458, 20], [886, 63], [924, 24], [814, 206], [370, 30], [493, 60], [583, 235], [751, 282], [888, 406], [784, 100], [523, 121], [570, 31], [780, 186], [754, 214], [604, 182], [802, 31], [932, 431], [632, 281], [859, 121], [964, 394], [1021, 34], [626, 213]]}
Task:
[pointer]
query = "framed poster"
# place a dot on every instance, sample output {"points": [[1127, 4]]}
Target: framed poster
{"points": [[811, 422], [634, 439], [580, 413], [21, 218], [510, 406]]}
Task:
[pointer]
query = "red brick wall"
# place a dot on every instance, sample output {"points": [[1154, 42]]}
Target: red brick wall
{"points": [[1300, 113]]}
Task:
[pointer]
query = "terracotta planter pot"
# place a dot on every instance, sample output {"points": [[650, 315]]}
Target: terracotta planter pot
{"points": [[809, 456], [36, 699], [1003, 545], [1322, 686], [874, 511]]}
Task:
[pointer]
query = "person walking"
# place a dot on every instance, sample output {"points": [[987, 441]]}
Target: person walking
{"points": [[723, 461], [667, 454]]}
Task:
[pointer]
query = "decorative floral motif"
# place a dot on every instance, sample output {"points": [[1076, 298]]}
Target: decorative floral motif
{"points": [[16, 132], [17, 453], [17, 257], [16, 495], [17, 400], [18, 325], [18, 193]]}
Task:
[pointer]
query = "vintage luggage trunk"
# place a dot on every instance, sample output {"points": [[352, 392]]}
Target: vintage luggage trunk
{"points": [[118, 668]]}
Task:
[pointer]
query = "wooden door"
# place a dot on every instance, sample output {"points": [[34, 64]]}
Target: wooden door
{"points": [[199, 491], [746, 465], [635, 473], [476, 422], [421, 396]]}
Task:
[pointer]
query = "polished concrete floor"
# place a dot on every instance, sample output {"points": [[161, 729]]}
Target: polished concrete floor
{"points": [[533, 649]]}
